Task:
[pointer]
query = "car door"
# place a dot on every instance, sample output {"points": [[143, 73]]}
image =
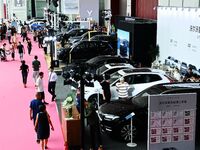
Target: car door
{"points": [[92, 50], [78, 52]]}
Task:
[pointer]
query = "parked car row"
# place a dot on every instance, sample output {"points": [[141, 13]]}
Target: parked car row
{"points": [[137, 78], [113, 115], [84, 50], [84, 44]]}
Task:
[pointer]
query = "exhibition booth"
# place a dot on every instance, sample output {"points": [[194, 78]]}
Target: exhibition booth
{"points": [[136, 37]]}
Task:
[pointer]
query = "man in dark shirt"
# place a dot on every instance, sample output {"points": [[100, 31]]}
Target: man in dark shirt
{"points": [[21, 50], [34, 108], [106, 89], [36, 68]]}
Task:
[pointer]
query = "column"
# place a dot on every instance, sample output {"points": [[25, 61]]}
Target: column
{"points": [[1, 9]]}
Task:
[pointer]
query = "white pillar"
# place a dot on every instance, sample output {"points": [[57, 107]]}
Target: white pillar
{"points": [[54, 21], [107, 4], [1, 9]]}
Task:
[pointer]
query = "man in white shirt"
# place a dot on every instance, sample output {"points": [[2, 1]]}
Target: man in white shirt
{"points": [[52, 83], [40, 86]]}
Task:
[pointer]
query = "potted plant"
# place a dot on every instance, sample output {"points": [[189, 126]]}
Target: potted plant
{"points": [[67, 104]]}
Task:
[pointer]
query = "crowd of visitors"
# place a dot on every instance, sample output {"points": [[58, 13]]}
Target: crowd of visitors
{"points": [[23, 46]]}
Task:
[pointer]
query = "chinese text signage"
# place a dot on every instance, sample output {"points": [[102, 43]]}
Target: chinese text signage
{"points": [[171, 122]]}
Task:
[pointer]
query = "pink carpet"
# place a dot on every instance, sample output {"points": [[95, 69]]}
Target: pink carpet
{"points": [[16, 128]]}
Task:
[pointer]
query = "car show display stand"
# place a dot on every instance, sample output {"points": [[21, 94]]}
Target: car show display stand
{"points": [[71, 128], [130, 116]]}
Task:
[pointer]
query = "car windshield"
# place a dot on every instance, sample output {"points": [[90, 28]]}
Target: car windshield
{"points": [[114, 77], [102, 69], [141, 100]]}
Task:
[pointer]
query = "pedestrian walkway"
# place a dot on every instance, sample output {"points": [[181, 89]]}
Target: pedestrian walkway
{"points": [[16, 128]]}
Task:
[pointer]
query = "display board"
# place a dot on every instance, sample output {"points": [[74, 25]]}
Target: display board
{"points": [[71, 7], [123, 39], [178, 34], [171, 122]]}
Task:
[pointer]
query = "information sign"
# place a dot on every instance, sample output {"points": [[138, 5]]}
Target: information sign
{"points": [[171, 122]]}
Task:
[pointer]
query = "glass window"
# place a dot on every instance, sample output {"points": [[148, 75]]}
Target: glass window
{"points": [[152, 78]]}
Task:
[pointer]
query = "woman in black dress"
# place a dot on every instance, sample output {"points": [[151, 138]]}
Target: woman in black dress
{"points": [[24, 69], [42, 126]]}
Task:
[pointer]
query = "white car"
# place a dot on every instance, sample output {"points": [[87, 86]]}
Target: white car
{"points": [[138, 80], [113, 67]]}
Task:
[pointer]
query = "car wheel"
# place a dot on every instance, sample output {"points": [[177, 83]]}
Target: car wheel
{"points": [[95, 98], [125, 132]]}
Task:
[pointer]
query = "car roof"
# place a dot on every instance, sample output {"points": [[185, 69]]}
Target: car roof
{"points": [[76, 29], [116, 65], [177, 85], [102, 57], [140, 70], [166, 88]]}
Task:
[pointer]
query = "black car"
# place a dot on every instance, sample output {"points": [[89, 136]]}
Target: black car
{"points": [[94, 63], [85, 50], [113, 115], [63, 37], [85, 36], [109, 38]]}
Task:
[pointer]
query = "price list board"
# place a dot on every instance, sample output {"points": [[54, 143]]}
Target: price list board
{"points": [[171, 122]]}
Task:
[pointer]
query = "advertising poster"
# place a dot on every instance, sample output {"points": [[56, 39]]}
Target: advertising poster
{"points": [[123, 38], [171, 122]]}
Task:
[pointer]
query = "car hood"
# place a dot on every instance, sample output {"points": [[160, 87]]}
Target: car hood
{"points": [[118, 108]]}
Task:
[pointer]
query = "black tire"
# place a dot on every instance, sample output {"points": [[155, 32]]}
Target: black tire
{"points": [[125, 132]]}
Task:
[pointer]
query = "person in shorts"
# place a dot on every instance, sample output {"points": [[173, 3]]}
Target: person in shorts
{"points": [[40, 86]]}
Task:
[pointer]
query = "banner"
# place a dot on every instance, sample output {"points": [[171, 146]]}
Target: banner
{"points": [[171, 122], [178, 34]]}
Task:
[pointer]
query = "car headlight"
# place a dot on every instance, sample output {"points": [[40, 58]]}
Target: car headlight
{"points": [[110, 117]]}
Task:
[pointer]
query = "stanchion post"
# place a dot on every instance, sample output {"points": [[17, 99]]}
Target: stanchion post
{"points": [[82, 107], [131, 144]]}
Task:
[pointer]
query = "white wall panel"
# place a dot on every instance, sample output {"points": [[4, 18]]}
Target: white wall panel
{"points": [[107, 4], [191, 3], [163, 2], [178, 34], [1, 9], [176, 3]]}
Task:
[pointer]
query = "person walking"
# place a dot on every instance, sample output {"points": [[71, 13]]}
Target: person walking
{"points": [[24, 70], [34, 108], [36, 68], [9, 35], [42, 126], [122, 88], [12, 49], [21, 50], [29, 46], [52, 83], [40, 86]]}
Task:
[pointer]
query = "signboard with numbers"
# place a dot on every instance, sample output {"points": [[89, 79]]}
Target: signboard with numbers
{"points": [[171, 122]]}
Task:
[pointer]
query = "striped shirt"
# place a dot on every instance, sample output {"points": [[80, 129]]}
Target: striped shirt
{"points": [[122, 89]]}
